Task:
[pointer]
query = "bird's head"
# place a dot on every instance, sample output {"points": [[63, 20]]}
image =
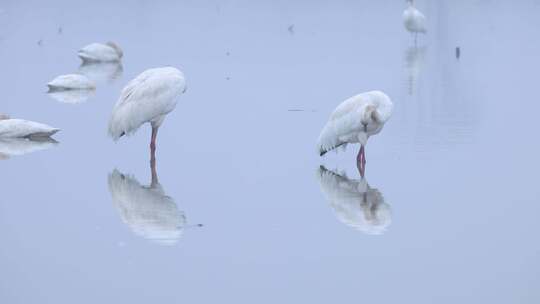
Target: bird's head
{"points": [[116, 48]]}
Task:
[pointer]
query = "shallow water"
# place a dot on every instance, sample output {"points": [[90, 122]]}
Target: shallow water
{"points": [[454, 214]]}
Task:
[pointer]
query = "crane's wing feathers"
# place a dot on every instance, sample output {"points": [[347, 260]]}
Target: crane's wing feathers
{"points": [[146, 98]]}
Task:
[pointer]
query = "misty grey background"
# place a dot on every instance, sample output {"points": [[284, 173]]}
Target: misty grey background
{"points": [[457, 162]]}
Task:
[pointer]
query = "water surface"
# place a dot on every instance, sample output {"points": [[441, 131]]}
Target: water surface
{"points": [[455, 167]]}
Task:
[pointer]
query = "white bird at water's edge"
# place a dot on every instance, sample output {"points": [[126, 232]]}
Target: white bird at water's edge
{"points": [[354, 121], [71, 82], [147, 98], [413, 20], [20, 128], [101, 52]]}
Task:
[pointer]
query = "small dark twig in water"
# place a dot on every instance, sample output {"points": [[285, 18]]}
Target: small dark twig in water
{"points": [[60, 30], [458, 52], [40, 42]]}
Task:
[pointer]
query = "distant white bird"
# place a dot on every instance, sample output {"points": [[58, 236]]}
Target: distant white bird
{"points": [[71, 82], [99, 52], [19, 128], [354, 121], [18, 146], [147, 98], [147, 210], [414, 20], [355, 203]]}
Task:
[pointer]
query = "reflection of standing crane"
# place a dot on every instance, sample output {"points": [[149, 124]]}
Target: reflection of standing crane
{"points": [[147, 210], [355, 203]]}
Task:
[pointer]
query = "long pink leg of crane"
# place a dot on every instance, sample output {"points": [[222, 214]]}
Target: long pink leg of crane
{"points": [[153, 142]]}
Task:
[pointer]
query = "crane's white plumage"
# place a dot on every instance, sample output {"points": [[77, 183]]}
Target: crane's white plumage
{"points": [[147, 210], [99, 52], [19, 146], [413, 19], [71, 82], [147, 98], [20, 128], [355, 203], [355, 120]]}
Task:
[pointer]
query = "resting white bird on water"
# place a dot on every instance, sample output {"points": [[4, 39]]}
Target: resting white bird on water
{"points": [[99, 52], [20, 128], [71, 82], [354, 121], [414, 20], [147, 98], [355, 203]]}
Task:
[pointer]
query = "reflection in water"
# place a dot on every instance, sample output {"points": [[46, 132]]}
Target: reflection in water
{"points": [[71, 96], [414, 61], [101, 71], [355, 203], [19, 146], [147, 210]]}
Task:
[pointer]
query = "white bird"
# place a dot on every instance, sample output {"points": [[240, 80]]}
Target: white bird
{"points": [[355, 203], [19, 146], [147, 210], [354, 121], [413, 19], [99, 52], [147, 98], [19, 128], [71, 82]]}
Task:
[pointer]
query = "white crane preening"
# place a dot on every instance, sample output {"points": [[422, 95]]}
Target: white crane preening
{"points": [[147, 99], [354, 121]]}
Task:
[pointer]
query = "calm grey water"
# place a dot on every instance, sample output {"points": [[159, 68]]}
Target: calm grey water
{"points": [[453, 219]]}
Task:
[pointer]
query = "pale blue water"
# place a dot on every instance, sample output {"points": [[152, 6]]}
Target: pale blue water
{"points": [[456, 164]]}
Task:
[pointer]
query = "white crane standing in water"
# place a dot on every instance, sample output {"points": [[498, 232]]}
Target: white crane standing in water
{"points": [[147, 98], [414, 20], [354, 121]]}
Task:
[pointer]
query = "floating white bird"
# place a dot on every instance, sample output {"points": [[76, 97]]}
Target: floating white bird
{"points": [[147, 98], [99, 52], [355, 203], [19, 128], [413, 19], [354, 121], [147, 210], [101, 71], [71, 82], [19, 146]]}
